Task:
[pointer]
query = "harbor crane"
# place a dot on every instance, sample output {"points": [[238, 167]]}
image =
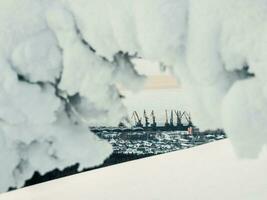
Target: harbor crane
{"points": [[137, 119], [188, 118], [179, 116], [167, 120], [154, 123], [171, 119], [146, 119], [134, 117]]}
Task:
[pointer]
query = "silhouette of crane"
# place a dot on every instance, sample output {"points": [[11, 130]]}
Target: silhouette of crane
{"points": [[146, 119], [167, 120], [137, 119], [188, 118], [171, 119], [179, 116], [154, 123]]}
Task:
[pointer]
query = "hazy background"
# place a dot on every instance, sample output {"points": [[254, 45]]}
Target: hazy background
{"points": [[161, 92]]}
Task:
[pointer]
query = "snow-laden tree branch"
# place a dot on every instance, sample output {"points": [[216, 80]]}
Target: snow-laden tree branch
{"points": [[53, 85], [60, 61]]}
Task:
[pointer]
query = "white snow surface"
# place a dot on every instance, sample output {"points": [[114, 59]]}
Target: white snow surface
{"points": [[210, 171], [60, 61]]}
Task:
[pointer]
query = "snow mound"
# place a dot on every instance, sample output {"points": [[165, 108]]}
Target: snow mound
{"points": [[210, 171], [52, 87]]}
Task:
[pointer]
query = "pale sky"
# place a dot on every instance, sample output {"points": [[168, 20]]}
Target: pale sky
{"points": [[157, 79], [161, 92]]}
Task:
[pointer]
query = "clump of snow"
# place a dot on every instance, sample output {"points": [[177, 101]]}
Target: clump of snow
{"points": [[50, 80], [38, 58], [222, 43], [244, 114]]}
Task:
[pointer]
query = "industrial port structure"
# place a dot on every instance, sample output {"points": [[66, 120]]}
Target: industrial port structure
{"points": [[169, 121], [147, 137], [150, 124]]}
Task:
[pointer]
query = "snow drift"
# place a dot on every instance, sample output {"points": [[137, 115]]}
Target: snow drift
{"points": [[60, 61], [187, 174]]}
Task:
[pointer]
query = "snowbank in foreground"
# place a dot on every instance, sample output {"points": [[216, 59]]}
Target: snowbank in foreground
{"points": [[210, 171]]}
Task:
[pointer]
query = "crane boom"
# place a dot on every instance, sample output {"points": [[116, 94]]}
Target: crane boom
{"points": [[139, 119], [134, 117]]}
